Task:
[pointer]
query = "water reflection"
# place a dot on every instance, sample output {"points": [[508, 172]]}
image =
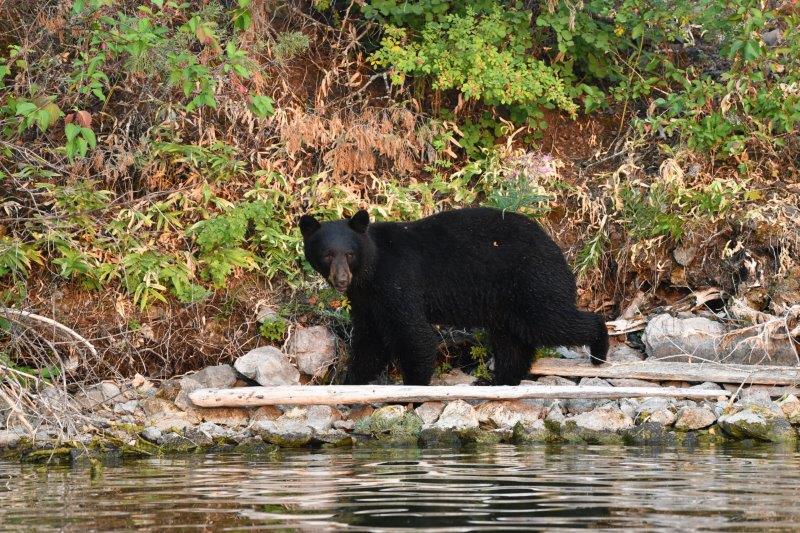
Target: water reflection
{"points": [[501, 487]]}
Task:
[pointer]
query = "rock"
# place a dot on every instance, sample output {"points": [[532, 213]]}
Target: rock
{"points": [[313, 349], [454, 377], [577, 353], [429, 412], [549, 381], [322, 417], [692, 418], [163, 414], [684, 254], [749, 423], [623, 353], [773, 37], [284, 432], [9, 438], [126, 408], [392, 423], [651, 404], [555, 415], [603, 418], [224, 416], [150, 433], [533, 431], [791, 408], [359, 412], [707, 385], [457, 415], [664, 416], [667, 336], [268, 366], [95, 395], [629, 406], [169, 389], [205, 434], [265, 412], [583, 405], [214, 377], [676, 384], [345, 425], [506, 414], [631, 382]]}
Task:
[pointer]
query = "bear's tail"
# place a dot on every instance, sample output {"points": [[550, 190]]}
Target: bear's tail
{"points": [[596, 336]]}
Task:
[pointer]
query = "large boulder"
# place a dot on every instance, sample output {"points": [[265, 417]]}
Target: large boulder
{"points": [[457, 415], [760, 424], [692, 418], [268, 366], [313, 349]]}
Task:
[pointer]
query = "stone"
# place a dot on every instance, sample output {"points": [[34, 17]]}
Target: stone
{"points": [[676, 384], [651, 404], [214, 377], [629, 406], [126, 408], [684, 254], [773, 37], [429, 412], [268, 366], [667, 336], [584, 405], [791, 408], [284, 432], [534, 431], [265, 412], [345, 425], [457, 415], [164, 415], [9, 438], [505, 414], [632, 382], [359, 412], [692, 418], [204, 434], [313, 349], [549, 381], [622, 353], [763, 425], [664, 416], [576, 353], [152, 434], [555, 414], [707, 385], [224, 416], [603, 418], [98, 394], [322, 417], [454, 377]]}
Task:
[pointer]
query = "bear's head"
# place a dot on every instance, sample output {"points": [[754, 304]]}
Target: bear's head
{"points": [[338, 250]]}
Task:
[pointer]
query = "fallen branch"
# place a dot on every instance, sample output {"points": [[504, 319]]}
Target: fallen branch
{"points": [[365, 394], [61, 327], [667, 371]]}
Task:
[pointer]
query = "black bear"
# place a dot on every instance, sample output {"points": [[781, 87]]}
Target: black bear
{"points": [[474, 267]]}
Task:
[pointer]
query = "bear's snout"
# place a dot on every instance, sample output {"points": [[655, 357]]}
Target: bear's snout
{"points": [[340, 275]]}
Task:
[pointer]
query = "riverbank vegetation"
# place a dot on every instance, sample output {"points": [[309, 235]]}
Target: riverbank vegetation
{"points": [[155, 156]]}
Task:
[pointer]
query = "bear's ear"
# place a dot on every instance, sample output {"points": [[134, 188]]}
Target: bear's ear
{"points": [[359, 221], [308, 225]]}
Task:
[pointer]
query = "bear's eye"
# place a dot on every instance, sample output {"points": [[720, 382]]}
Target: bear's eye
{"points": [[328, 257], [349, 255]]}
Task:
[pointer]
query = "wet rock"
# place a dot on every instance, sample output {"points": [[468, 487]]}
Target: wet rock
{"points": [[603, 418], [429, 412], [152, 434], [268, 366], [533, 431], [334, 438], [763, 425], [631, 382], [667, 336], [791, 408], [457, 415], [622, 353], [313, 349], [98, 394], [177, 442], [554, 414], [359, 412], [454, 377], [651, 404], [507, 414], [391, 422], [692, 418], [284, 432]]}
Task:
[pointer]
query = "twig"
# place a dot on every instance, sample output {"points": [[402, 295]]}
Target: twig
{"points": [[69, 331]]}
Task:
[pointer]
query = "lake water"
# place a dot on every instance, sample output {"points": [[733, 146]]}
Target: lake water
{"points": [[494, 488]]}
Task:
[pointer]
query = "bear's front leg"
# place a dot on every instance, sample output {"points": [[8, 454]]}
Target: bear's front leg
{"points": [[369, 356], [415, 349]]}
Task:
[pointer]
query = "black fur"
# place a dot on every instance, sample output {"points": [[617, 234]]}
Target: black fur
{"points": [[467, 268]]}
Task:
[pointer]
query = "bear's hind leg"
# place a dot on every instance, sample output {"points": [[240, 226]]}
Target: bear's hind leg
{"points": [[570, 328], [512, 358]]}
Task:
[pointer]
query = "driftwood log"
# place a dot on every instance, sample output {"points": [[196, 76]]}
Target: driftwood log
{"points": [[365, 394], [669, 371]]}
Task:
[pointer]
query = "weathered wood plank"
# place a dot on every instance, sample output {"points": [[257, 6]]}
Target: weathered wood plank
{"points": [[363, 394], [671, 371]]}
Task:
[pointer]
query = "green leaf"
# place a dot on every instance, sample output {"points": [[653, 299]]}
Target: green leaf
{"points": [[261, 105]]}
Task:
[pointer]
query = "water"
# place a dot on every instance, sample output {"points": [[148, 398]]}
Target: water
{"points": [[496, 488]]}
